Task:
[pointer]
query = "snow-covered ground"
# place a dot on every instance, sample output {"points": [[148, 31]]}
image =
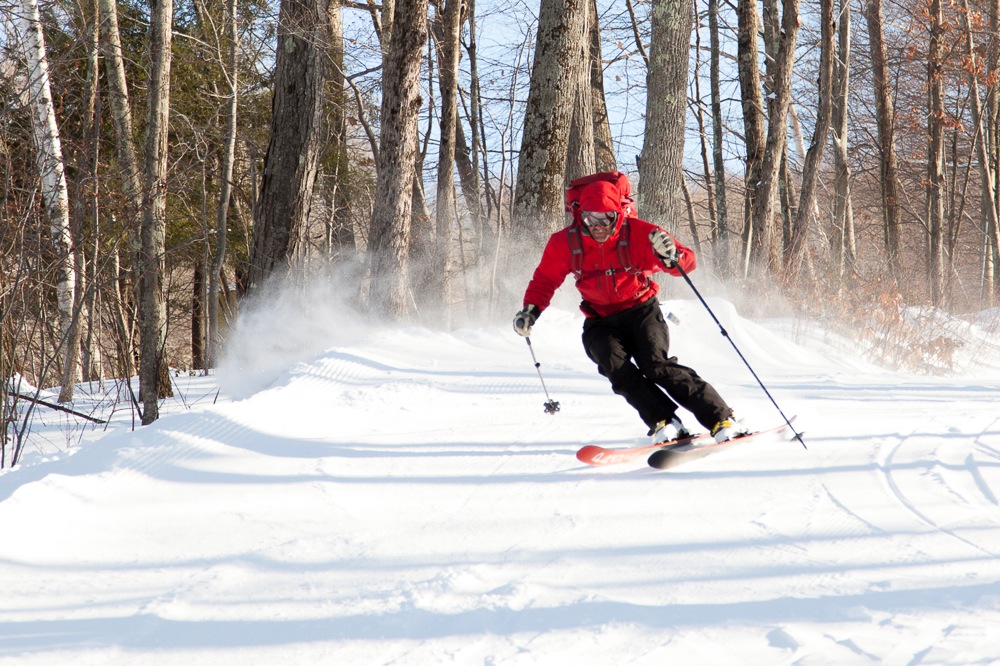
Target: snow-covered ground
{"points": [[398, 496]]}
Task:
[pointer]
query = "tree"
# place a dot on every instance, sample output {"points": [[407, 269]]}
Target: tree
{"points": [[291, 160], [448, 28], [52, 183], [548, 116], [718, 160], [886, 127], [754, 134], [766, 240], [666, 105], [935, 152], [844, 249], [152, 299], [389, 237], [226, 186], [824, 113]]}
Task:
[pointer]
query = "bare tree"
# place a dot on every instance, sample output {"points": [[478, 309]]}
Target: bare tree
{"points": [[152, 298], [982, 150], [844, 249], [604, 148], [754, 131], [291, 161], [810, 171], [766, 239], [885, 121], [389, 237], [718, 159], [538, 198], [580, 157], [128, 171], [660, 172], [231, 72], [935, 152], [448, 28]]}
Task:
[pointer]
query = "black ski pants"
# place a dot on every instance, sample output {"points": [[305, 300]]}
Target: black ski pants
{"points": [[631, 349]]}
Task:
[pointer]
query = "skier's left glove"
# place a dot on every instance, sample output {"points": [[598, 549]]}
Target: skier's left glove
{"points": [[525, 319], [664, 246]]}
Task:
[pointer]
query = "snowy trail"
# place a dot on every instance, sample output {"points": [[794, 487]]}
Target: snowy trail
{"points": [[403, 499]]}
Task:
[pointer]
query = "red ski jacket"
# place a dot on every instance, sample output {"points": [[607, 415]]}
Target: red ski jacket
{"points": [[605, 284]]}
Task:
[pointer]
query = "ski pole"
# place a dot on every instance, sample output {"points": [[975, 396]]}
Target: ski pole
{"points": [[725, 334], [551, 406]]}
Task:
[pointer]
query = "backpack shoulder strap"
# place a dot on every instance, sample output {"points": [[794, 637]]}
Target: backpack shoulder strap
{"points": [[575, 249], [624, 255]]}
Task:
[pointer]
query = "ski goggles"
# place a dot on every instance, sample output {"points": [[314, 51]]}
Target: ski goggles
{"points": [[594, 219]]}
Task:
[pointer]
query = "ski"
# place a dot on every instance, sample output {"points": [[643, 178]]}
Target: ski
{"points": [[599, 455], [688, 451]]}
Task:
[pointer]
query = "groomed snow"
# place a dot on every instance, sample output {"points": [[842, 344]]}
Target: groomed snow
{"points": [[398, 496]]}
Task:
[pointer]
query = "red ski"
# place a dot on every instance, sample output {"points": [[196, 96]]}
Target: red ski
{"points": [[598, 455], [688, 451]]}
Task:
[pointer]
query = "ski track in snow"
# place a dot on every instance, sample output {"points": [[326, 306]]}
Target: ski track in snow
{"points": [[404, 500]]}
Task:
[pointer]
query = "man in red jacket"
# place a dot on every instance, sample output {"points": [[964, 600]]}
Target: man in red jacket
{"points": [[624, 332]]}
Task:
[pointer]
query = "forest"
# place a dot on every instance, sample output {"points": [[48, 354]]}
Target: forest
{"points": [[163, 164]]}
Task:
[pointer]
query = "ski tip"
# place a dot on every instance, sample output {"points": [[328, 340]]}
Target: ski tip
{"points": [[587, 453]]}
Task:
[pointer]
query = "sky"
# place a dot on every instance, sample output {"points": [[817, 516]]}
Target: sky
{"points": [[371, 494]]}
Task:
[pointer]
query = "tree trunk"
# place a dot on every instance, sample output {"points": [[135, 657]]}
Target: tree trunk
{"points": [[390, 225], [766, 239], [152, 298], [885, 114], [935, 153], [660, 171], [702, 137], [810, 171], [844, 248], [604, 145], [753, 111], [991, 249], [538, 197], [52, 178], [448, 29], [214, 338], [718, 158], [291, 161], [982, 150], [580, 156]]}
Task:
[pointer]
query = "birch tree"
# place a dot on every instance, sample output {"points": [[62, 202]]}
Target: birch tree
{"points": [[51, 179]]}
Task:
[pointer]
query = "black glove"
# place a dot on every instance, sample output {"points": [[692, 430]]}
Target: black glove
{"points": [[525, 319], [664, 247]]}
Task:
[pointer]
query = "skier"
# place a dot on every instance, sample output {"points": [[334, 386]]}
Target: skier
{"points": [[612, 256]]}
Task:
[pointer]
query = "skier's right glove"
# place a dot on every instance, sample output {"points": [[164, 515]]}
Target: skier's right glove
{"points": [[525, 319], [664, 247]]}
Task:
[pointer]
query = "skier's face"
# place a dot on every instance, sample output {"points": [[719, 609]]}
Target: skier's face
{"points": [[600, 224]]}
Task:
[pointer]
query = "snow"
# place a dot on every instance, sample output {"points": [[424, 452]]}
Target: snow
{"points": [[377, 495]]}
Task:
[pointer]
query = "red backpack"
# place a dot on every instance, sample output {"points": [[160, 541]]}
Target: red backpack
{"points": [[620, 181]]}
